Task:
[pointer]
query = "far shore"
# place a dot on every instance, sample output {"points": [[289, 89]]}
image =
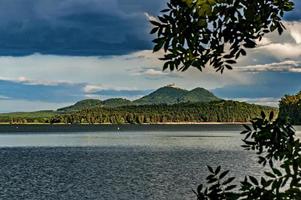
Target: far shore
{"points": [[159, 123]]}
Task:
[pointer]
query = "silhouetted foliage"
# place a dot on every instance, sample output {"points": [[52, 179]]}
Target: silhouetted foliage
{"points": [[277, 148], [290, 108], [218, 187], [216, 32]]}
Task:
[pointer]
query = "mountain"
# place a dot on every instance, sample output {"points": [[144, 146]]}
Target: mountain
{"points": [[81, 105], [92, 103], [116, 102], [173, 95], [216, 111], [198, 95], [164, 95]]}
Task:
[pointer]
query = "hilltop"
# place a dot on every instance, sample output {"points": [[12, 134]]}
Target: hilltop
{"points": [[81, 105], [198, 95], [173, 95], [164, 95]]}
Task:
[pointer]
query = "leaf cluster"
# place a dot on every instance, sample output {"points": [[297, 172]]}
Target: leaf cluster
{"points": [[218, 186], [214, 32], [290, 108], [278, 149]]}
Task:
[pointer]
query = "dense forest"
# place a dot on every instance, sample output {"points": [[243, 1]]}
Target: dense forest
{"points": [[290, 108], [219, 111]]}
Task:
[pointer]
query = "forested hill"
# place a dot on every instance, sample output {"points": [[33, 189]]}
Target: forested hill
{"points": [[92, 103], [165, 95], [218, 111], [85, 104], [174, 95], [290, 108]]}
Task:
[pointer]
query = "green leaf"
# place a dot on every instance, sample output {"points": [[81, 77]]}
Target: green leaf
{"points": [[155, 23], [253, 180], [231, 187], [223, 174], [271, 116], [269, 174], [230, 61], [263, 116], [229, 67], [210, 169], [218, 169], [277, 172]]}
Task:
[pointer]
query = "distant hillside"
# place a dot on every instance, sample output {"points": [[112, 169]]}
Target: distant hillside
{"points": [[172, 95], [217, 111], [27, 117], [198, 95], [85, 104], [117, 112], [116, 102], [164, 95]]}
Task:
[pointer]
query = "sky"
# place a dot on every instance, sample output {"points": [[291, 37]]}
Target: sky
{"points": [[56, 52]]}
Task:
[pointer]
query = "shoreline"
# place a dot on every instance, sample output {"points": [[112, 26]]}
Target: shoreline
{"points": [[85, 128], [159, 123]]}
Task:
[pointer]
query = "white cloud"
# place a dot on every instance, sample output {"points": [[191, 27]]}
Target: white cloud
{"points": [[281, 50], [294, 28], [27, 81], [153, 72], [287, 45], [117, 71], [284, 66], [265, 101], [90, 89]]}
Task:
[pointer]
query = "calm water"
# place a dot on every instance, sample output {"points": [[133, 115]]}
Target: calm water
{"points": [[143, 163]]}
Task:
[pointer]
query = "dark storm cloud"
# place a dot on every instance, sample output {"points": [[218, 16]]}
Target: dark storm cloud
{"points": [[77, 27]]}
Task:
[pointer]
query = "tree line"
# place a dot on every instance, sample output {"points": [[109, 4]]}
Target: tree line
{"points": [[223, 111], [290, 108]]}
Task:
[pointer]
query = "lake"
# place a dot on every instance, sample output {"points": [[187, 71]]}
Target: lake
{"points": [[116, 162]]}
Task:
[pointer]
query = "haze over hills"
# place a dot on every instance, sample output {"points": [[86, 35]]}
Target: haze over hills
{"points": [[164, 95]]}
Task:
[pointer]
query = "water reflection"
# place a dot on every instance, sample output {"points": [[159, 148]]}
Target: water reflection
{"points": [[190, 139]]}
